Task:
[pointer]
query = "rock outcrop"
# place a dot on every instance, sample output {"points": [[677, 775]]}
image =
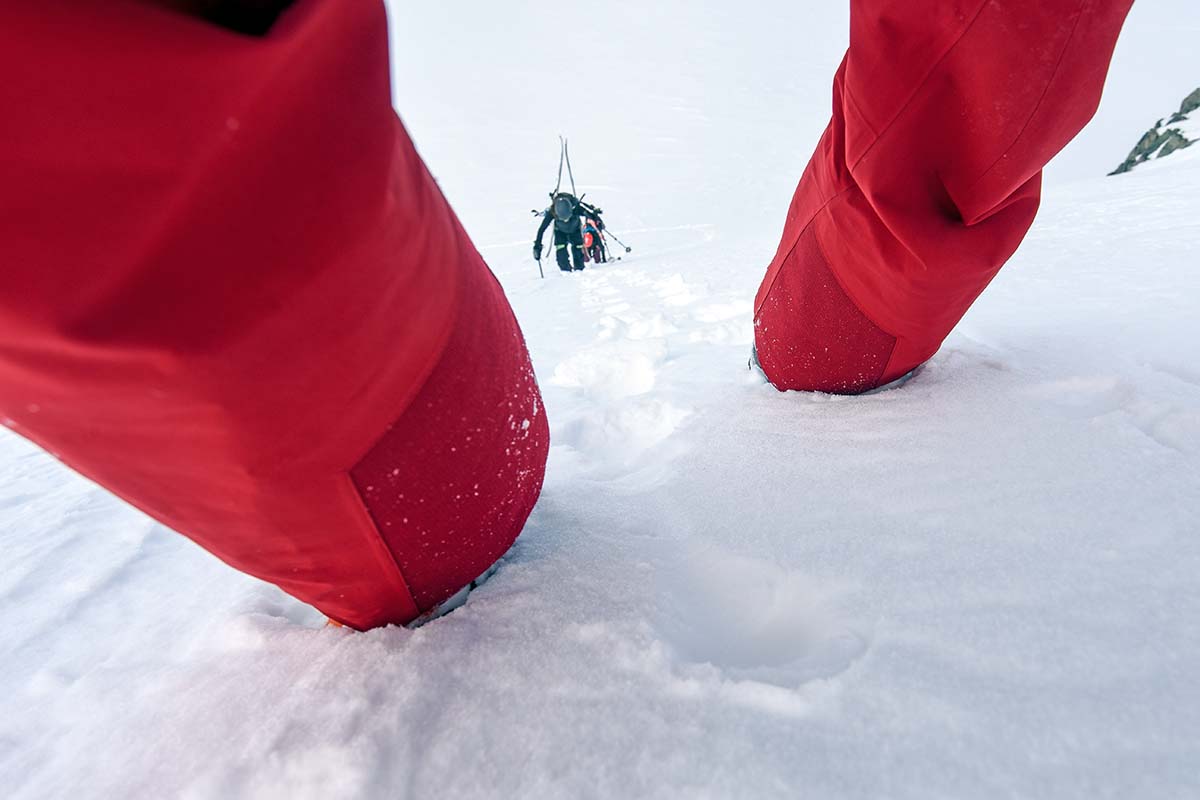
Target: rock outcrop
{"points": [[1161, 141]]}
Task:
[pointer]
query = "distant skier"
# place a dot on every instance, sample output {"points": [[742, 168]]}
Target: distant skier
{"points": [[593, 241], [567, 212]]}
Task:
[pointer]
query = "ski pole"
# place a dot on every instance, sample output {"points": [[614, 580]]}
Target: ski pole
{"points": [[607, 248], [628, 249]]}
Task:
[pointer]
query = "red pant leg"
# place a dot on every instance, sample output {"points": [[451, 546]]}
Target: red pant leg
{"points": [[926, 180], [234, 296]]}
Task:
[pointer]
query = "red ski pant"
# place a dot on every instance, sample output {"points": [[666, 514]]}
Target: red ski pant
{"points": [[233, 295], [926, 180]]}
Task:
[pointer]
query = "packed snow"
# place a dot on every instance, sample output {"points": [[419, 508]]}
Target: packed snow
{"points": [[983, 583]]}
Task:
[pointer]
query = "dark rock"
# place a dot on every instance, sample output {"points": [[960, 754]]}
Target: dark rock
{"points": [[1190, 103], [1174, 140]]}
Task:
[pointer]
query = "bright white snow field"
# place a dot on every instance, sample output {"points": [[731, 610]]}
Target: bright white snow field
{"points": [[985, 583]]}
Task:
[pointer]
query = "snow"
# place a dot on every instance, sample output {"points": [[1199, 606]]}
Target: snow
{"points": [[980, 584]]}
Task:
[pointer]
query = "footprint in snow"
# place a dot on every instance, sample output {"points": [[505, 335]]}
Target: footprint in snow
{"points": [[1108, 398], [754, 621], [612, 370]]}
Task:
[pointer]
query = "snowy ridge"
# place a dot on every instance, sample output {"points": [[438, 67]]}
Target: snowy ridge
{"points": [[982, 584]]}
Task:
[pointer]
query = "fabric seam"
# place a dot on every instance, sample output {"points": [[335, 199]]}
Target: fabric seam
{"points": [[921, 84], [1045, 91], [858, 109], [383, 554], [792, 247], [857, 305]]}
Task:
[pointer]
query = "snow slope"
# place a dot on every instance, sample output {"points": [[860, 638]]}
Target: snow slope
{"points": [[982, 584]]}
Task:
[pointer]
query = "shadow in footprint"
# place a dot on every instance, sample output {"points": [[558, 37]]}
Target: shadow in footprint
{"points": [[753, 620]]}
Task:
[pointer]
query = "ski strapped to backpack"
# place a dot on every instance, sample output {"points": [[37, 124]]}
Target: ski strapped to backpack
{"points": [[564, 158]]}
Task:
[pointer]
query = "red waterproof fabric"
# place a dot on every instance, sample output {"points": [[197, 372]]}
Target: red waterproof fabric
{"points": [[926, 180], [233, 295]]}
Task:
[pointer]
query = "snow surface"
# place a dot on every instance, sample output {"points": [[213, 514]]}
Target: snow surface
{"points": [[982, 584]]}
